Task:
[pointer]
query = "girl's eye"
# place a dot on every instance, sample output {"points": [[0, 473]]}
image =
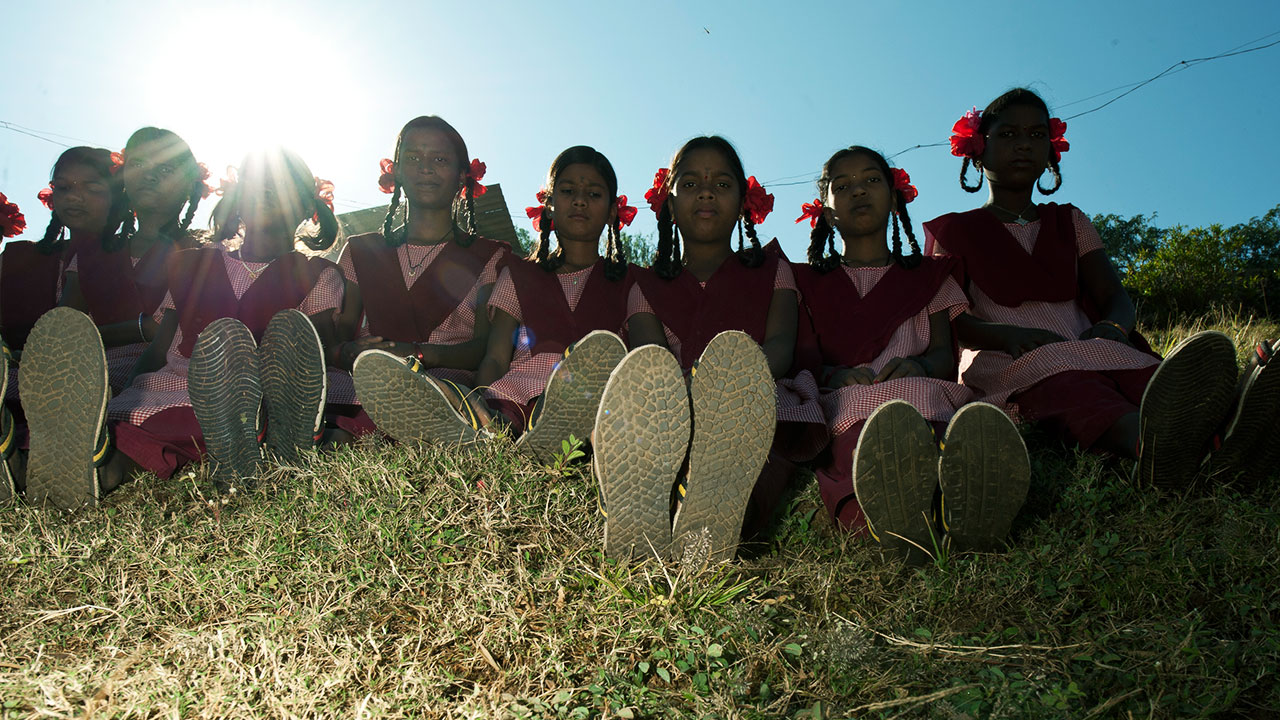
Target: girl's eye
{"points": [[440, 159], [722, 184], [596, 195], [1037, 134], [687, 184]]}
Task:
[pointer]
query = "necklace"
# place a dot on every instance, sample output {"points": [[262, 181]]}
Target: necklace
{"points": [[1017, 216], [253, 274], [414, 267]]}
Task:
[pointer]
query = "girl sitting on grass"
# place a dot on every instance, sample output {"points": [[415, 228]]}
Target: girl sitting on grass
{"points": [[209, 381], [885, 356]]}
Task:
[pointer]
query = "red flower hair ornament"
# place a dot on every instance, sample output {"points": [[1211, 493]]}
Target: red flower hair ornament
{"points": [[1058, 143], [471, 185], [626, 213], [387, 180], [45, 196], [324, 194], [812, 211], [12, 222], [117, 162], [902, 183], [535, 212], [966, 139], [756, 203], [202, 174], [656, 196]]}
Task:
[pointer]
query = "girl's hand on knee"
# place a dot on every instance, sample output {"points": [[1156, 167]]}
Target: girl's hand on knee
{"points": [[852, 376], [1106, 331], [901, 367], [1024, 340]]}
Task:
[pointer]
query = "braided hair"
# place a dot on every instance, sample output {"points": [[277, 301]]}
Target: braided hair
{"points": [[98, 160], [615, 266], [822, 240], [283, 169], [667, 259], [171, 148], [464, 204], [1016, 96]]}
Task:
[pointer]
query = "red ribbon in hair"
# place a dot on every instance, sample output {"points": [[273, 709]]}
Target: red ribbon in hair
{"points": [[12, 222], [387, 180], [117, 162], [656, 196], [1058, 143], [202, 174], [966, 140], [474, 175], [812, 211], [45, 196], [626, 213], [756, 204], [535, 212], [902, 183], [324, 193]]}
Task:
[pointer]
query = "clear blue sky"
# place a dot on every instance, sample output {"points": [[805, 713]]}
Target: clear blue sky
{"points": [[788, 83]]}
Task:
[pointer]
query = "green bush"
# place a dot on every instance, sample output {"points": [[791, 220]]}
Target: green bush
{"points": [[1189, 271]]}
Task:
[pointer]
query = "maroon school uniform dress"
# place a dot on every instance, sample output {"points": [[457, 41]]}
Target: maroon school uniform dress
{"points": [[1029, 276], [554, 311], [30, 286], [119, 288], [152, 419], [865, 317], [736, 297], [415, 293]]}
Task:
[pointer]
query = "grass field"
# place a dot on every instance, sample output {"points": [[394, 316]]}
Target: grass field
{"points": [[387, 582]]}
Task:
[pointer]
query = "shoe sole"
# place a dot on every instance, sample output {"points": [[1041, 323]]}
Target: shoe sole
{"points": [[642, 432], [1252, 431], [984, 473], [1183, 404], [734, 418], [895, 472], [407, 405], [294, 384], [572, 396], [8, 490], [64, 375], [226, 394]]}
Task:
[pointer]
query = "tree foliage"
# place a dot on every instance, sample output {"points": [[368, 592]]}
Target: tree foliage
{"points": [[1186, 271]]}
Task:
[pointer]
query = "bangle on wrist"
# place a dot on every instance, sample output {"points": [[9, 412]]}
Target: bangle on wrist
{"points": [[141, 334], [1113, 324]]}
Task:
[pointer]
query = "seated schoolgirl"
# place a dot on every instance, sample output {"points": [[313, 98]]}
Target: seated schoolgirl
{"points": [[202, 381], [882, 326], [418, 289], [728, 319], [120, 280], [1050, 331], [12, 223], [556, 299]]}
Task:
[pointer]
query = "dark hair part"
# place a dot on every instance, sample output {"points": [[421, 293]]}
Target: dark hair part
{"points": [[99, 160], [1016, 96], [173, 149], [822, 240], [278, 168], [615, 265], [464, 207], [667, 259]]}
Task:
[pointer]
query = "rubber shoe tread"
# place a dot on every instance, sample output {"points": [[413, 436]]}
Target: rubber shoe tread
{"points": [[64, 378], [895, 473], [734, 417], [571, 398], [226, 395], [984, 473], [405, 404], [642, 432], [294, 383]]}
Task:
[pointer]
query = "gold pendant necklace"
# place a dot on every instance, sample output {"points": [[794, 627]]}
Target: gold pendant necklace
{"points": [[1017, 217]]}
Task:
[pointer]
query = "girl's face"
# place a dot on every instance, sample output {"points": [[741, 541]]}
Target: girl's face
{"points": [[155, 178], [859, 198], [1017, 150], [273, 207], [82, 198], [429, 168], [581, 204], [706, 197]]}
